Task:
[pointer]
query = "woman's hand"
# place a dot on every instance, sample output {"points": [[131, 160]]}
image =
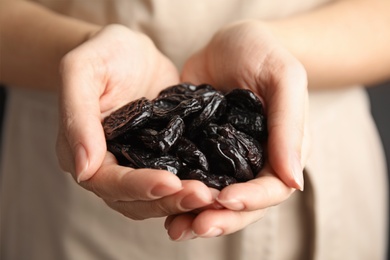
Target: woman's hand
{"points": [[113, 67], [246, 55]]}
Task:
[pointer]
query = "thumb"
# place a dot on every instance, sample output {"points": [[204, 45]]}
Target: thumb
{"points": [[81, 143], [287, 117], [195, 71]]}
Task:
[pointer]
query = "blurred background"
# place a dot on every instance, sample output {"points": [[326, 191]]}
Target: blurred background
{"points": [[380, 108]]}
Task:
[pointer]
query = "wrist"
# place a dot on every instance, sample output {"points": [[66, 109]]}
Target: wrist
{"points": [[48, 35]]}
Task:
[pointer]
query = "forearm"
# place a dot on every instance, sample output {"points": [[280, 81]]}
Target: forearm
{"points": [[33, 40], [346, 42]]}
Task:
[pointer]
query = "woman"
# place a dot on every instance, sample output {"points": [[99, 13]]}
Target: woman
{"points": [[274, 49]]}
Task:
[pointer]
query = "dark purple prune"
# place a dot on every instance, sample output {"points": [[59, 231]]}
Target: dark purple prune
{"points": [[196, 132], [188, 91], [252, 124], [211, 180], [246, 145], [245, 112], [131, 116], [211, 112], [136, 157], [244, 99], [206, 92], [190, 155], [166, 103], [162, 140], [181, 89], [164, 110], [226, 159], [141, 158], [116, 150], [166, 162]]}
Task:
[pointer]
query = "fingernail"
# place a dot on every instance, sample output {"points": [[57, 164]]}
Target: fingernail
{"points": [[232, 204], [81, 163], [186, 235], [297, 173], [212, 232], [217, 205]]}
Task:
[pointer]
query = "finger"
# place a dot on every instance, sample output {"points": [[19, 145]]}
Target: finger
{"points": [[179, 227], [64, 152], [286, 117], [194, 70], [262, 192], [80, 114], [117, 183], [193, 195], [214, 223]]}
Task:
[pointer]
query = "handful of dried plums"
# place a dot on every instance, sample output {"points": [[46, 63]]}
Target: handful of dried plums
{"points": [[195, 132]]}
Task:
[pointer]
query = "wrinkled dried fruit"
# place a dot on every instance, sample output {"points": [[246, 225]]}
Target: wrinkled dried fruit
{"points": [[162, 140], [245, 113], [190, 155], [195, 132], [211, 180], [131, 116]]}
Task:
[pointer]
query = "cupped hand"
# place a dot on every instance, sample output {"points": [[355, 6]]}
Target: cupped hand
{"points": [[113, 67], [236, 207], [146, 193], [247, 55]]}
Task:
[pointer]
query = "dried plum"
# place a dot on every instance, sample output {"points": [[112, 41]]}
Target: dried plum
{"points": [[136, 157], [226, 158], [250, 123], [181, 89], [245, 99], [211, 180], [211, 112], [165, 108], [131, 116], [195, 132], [190, 155], [162, 140], [246, 145], [245, 112], [166, 162]]}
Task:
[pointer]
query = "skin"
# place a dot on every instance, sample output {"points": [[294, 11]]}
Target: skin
{"points": [[281, 59]]}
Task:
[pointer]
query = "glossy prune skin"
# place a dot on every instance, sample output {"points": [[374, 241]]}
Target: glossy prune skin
{"points": [[212, 111], [195, 132], [249, 123], [188, 90], [116, 149], [166, 162], [226, 158], [245, 112], [181, 89], [137, 158], [131, 116], [246, 145], [211, 180], [189, 154], [165, 108], [245, 99], [162, 140]]}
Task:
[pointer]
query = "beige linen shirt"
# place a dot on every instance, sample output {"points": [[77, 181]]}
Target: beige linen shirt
{"points": [[341, 214]]}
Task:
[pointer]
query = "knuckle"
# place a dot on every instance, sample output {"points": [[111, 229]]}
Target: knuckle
{"points": [[160, 209]]}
